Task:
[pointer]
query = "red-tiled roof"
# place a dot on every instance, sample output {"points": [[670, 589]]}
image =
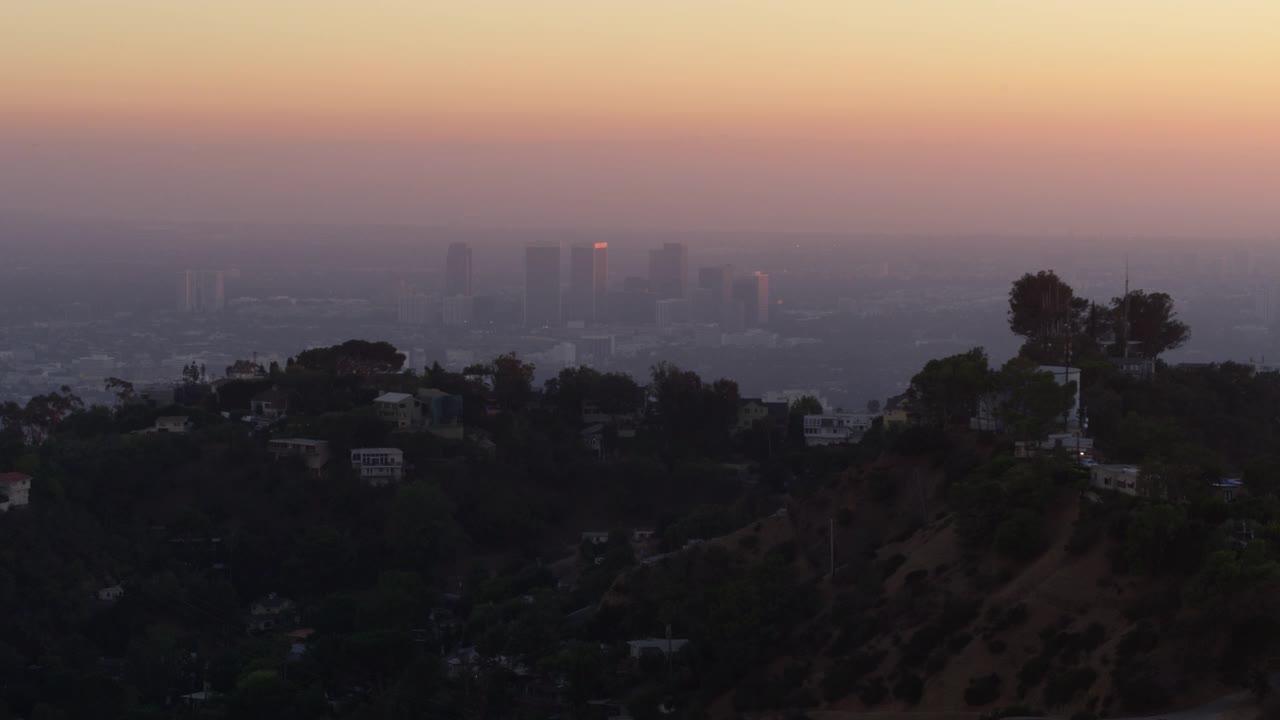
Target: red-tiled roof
{"points": [[13, 477]]}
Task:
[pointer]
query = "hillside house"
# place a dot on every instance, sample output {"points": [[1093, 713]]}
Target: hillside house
{"points": [[245, 370], [660, 646], [15, 490], [400, 410], [1074, 444], [314, 453], [378, 466], [270, 404], [1228, 489], [272, 613], [753, 410], [836, 428], [111, 594], [176, 424], [596, 537], [1119, 478], [442, 412]]}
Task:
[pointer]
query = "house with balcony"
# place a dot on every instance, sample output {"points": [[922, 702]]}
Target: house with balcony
{"points": [[399, 410], [835, 428], [378, 466], [313, 453], [270, 404]]}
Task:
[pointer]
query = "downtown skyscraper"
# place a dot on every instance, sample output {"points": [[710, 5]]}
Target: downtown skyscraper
{"points": [[669, 271], [588, 282], [201, 291], [457, 270], [542, 286]]}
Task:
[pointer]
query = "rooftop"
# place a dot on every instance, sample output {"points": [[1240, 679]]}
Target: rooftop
{"points": [[392, 397], [300, 441]]}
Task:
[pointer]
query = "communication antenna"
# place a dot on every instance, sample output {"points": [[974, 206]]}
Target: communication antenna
{"points": [[1125, 308]]}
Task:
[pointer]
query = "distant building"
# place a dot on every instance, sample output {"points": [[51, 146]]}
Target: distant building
{"points": [[719, 281], [836, 428], [111, 594], [400, 410], [457, 270], [15, 490], [314, 453], [753, 292], [96, 367], [457, 310], [669, 271], [413, 306], [596, 347], [671, 311], [542, 286], [378, 466], [588, 283], [202, 291]]}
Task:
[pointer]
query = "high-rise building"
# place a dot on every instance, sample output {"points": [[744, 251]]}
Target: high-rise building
{"points": [[669, 270], [753, 292], [717, 279], [457, 270], [588, 282], [202, 291], [457, 309], [670, 311], [413, 306], [714, 293], [542, 286]]}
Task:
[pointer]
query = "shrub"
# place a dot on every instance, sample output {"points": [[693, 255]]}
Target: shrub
{"points": [[909, 688], [1032, 673], [959, 641], [890, 565], [922, 642], [982, 690], [997, 646], [873, 692], [1063, 687]]}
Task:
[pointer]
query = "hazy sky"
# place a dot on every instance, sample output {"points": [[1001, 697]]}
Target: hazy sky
{"points": [[1125, 116]]}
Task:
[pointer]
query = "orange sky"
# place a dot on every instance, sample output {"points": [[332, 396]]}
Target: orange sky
{"points": [[1180, 98]]}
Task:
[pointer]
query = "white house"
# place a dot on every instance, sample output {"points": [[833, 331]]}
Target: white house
{"points": [[661, 646], [1120, 478], [15, 490], [180, 424], [836, 428], [378, 466], [314, 453], [399, 409]]}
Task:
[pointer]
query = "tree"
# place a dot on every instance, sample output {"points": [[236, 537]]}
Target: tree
{"points": [[1149, 322], [947, 389], [1045, 311], [1033, 399], [873, 407], [353, 357], [421, 529], [801, 406], [123, 389]]}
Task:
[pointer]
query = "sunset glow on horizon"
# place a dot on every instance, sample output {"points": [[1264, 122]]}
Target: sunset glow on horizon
{"points": [[1196, 84]]}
